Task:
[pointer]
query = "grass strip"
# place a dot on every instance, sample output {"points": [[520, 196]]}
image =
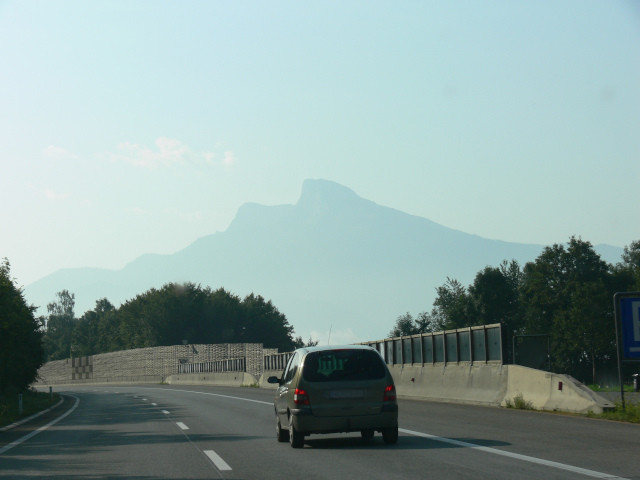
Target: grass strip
{"points": [[32, 403], [631, 413]]}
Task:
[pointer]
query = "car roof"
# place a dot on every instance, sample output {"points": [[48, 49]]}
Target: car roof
{"points": [[328, 348]]}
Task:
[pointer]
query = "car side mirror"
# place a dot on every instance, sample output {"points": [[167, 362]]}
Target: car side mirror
{"points": [[273, 380]]}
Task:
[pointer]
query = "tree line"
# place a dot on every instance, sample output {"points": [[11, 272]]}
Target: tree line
{"points": [[566, 293], [167, 316], [21, 350]]}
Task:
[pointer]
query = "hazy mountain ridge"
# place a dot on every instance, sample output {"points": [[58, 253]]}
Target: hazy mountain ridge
{"points": [[332, 260]]}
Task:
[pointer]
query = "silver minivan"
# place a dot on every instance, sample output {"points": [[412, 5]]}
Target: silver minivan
{"points": [[332, 389]]}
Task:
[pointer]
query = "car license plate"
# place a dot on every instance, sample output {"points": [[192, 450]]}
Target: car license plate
{"points": [[339, 394]]}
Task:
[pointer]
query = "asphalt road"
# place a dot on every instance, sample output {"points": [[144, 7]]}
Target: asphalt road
{"points": [[143, 432]]}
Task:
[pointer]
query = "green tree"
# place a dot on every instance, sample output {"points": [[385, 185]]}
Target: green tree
{"points": [[264, 323], [453, 307], [166, 316], [584, 334], [60, 324], [299, 343], [631, 263], [21, 350], [566, 293], [425, 322], [86, 333], [109, 332], [405, 325], [495, 296], [178, 312], [223, 317], [631, 255], [141, 320]]}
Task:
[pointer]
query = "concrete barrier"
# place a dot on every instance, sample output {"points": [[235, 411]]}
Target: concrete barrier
{"points": [[489, 384], [552, 391], [496, 385], [480, 384], [227, 379]]}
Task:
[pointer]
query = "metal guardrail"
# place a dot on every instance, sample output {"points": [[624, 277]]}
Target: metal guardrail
{"points": [[230, 365], [277, 361], [480, 344]]}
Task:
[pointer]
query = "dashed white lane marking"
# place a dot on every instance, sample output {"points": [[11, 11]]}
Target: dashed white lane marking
{"points": [[154, 404], [517, 456], [217, 460], [165, 412], [41, 429], [182, 425]]}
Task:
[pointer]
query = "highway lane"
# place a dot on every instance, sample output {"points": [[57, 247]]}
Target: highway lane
{"points": [[173, 432]]}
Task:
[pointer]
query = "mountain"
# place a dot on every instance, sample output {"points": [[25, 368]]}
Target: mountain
{"points": [[333, 262]]}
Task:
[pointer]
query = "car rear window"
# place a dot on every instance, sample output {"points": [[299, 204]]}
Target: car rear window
{"points": [[343, 365]]}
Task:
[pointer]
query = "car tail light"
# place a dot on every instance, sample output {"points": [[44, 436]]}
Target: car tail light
{"points": [[389, 394], [300, 397]]}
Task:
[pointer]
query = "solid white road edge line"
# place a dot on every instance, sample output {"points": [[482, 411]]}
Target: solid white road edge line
{"points": [[517, 456], [41, 429], [217, 460], [182, 426], [9, 427]]}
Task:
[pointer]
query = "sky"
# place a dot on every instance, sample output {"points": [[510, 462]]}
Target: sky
{"points": [[133, 127]]}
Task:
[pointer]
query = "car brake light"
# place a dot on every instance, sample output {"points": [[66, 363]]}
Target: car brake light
{"points": [[300, 397], [389, 394]]}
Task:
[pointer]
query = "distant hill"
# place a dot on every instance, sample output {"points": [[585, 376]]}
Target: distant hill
{"points": [[333, 261]]}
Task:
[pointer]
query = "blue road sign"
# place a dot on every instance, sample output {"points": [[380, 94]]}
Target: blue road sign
{"points": [[630, 320]]}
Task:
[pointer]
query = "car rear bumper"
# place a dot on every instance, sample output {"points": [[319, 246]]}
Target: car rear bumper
{"points": [[305, 422]]}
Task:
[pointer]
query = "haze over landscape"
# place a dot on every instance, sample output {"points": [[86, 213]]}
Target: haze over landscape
{"points": [[333, 262], [145, 142]]}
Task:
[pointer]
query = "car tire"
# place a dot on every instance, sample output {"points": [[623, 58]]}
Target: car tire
{"points": [[367, 433], [390, 435], [281, 434], [296, 439]]}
